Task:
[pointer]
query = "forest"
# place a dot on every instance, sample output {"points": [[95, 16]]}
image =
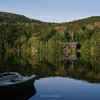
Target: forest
{"points": [[19, 33]]}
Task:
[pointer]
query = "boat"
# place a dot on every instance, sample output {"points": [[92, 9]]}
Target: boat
{"points": [[11, 82]]}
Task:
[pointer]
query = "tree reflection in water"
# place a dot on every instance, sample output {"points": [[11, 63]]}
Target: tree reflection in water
{"points": [[85, 67]]}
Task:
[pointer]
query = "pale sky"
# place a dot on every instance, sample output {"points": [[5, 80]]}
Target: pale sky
{"points": [[52, 10]]}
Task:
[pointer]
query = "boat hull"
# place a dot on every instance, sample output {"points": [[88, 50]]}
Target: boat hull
{"points": [[17, 86]]}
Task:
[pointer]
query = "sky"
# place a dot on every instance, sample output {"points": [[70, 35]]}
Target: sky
{"points": [[52, 10]]}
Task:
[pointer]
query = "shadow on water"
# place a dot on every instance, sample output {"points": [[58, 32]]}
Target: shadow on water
{"points": [[22, 95]]}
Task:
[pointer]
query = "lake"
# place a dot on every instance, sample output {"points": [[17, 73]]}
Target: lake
{"points": [[59, 77]]}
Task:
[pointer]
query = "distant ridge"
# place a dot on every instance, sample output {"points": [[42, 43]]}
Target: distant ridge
{"points": [[87, 20], [16, 18]]}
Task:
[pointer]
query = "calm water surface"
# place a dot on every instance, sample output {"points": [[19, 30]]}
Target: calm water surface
{"points": [[76, 77], [59, 88]]}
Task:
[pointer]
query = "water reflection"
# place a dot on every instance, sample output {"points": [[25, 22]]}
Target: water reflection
{"points": [[69, 56], [22, 95], [86, 67], [58, 88]]}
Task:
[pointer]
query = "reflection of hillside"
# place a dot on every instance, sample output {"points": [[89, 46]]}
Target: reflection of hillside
{"points": [[61, 71], [84, 68], [70, 56]]}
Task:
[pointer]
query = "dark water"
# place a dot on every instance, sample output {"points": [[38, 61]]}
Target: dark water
{"points": [[59, 76]]}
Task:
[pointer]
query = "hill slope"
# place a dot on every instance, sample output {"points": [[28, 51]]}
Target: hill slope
{"points": [[48, 35], [15, 18]]}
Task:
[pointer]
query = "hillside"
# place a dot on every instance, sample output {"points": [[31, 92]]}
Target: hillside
{"points": [[88, 20], [43, 36], [15, 18]]}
